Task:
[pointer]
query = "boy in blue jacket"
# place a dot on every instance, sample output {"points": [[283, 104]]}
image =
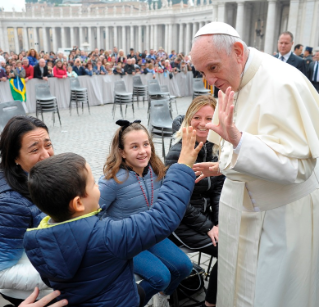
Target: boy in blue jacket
{"points": [[82, 253]]}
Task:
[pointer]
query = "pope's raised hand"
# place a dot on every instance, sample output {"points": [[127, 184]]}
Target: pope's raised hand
{"points": [[226, 127], [188, 153]]}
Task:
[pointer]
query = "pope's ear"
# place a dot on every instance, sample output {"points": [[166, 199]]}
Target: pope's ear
{"points": [[239, 50]]}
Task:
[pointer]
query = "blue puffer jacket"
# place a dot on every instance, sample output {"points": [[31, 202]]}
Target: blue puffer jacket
{"points": [[123, 200], [32, 60], [89, 259], [16, 214]]}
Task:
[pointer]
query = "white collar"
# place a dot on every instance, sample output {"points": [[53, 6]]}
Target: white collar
{"points": [[286, 56]]}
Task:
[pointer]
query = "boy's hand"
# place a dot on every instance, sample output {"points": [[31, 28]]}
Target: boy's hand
{"points": [[189, 154], [29, 301]]}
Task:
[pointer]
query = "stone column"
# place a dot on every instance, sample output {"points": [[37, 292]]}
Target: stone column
{"points": [[240, 19], [221, 12], [80, 36], [147, 38], [187, 49], [72, 41], [124, 39], [181, 38], [152, 37], [215, 12], [54, 41], [107, 38], [132, 37], [45, 39], [90, 41], [98, 37], [270, 27], [25, 39], [314, 38], [6, 39], [170, 38], [1, 36], [115, 37], [16, 40], [166, 38], [293, 16], [139, 39], [194, 30], [63, 44], [35, 39], [155, 38]]}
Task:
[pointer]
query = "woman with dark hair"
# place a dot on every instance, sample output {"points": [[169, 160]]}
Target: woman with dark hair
{"points": [[24, 141]]}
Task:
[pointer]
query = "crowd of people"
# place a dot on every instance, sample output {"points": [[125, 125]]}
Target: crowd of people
{"points": [[31, 64]]}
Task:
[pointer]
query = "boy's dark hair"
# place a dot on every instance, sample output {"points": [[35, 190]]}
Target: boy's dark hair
{"points": [[55, 181]]}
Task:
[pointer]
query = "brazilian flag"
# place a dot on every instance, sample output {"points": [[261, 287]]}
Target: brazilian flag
{"points": [[18, 89]]}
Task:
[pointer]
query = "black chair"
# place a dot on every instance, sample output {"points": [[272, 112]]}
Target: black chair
{"points": [[45, 102], [8, 110], [78, 95]]}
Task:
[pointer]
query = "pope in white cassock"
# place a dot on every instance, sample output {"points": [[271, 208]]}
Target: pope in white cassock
{"points": [[267, 126]]}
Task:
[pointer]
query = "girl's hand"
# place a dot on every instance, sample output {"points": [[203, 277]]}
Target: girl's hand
{"points": [[29, 301], [206, 169], [189, 154]]}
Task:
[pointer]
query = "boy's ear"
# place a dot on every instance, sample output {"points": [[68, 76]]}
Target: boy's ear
{"points": [[76, 205]]}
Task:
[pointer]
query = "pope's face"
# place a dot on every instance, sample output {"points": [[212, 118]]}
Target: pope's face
{"points": [[284, 44], [219, 68]]}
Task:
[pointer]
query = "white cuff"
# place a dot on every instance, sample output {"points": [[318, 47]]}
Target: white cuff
{"points": [[237, 149]]}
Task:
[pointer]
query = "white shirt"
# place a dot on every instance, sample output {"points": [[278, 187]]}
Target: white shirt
{"points": [[286, 56]]}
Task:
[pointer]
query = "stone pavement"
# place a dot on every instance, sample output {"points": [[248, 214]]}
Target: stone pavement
{"points": [[90, 135]]}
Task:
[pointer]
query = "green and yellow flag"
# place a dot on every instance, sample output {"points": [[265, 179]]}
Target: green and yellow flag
{"points": [[18, 89]]}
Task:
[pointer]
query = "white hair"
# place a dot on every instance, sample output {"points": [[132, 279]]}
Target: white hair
{"points": [[223, 42]]}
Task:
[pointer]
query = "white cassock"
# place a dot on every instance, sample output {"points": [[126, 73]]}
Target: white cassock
{"points": [[269, 208]]}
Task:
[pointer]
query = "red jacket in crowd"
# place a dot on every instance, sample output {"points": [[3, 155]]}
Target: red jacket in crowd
{"points": [[28, 71], [59, 73]]}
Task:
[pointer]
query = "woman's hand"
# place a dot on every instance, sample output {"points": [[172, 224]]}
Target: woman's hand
{"points": [[29, 301], [226, 127], [188, 153], [213, 234], [206, 169]]}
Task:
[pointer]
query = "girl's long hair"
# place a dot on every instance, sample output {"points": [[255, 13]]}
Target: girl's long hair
{"points": [[114, 160]]}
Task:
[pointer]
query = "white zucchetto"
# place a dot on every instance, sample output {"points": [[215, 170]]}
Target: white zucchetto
{"points": [[217, 27]]}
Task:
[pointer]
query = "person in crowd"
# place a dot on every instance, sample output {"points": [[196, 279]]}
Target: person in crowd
{"points": [[59, 71], [101, 51], [13, 64], [20, 56], [298, 50], [198, 229], [77, 228], [28, 69], [33, 57], [89, 69], [78, 68], [285, 43], [3, 74], [115, 53], [52, 56], [19, 71], [113, 61], [129, 68], [118, 70], [132, 55], [161, 53], [313, 71], [172, 56], [151, 55], [308, 57], [133, 165], [121, 57], [158, 69], [176, 64], [99, 68], [150, 69], [41, 70], [107, 56], [168, 67], [82, 55], [9, 72], [134, 63], [71, 73], [24, 142], [268, 208], [104, 62], [60, 57], [109, 68]]}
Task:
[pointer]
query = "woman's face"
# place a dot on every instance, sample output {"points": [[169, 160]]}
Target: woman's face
{"points": [[203, 116], [35, 146], [59, 64], [32, 53], [137, 150]]}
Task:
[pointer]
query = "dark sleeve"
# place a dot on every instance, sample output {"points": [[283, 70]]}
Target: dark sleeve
{"points": [[37, 73], [177, 122], [196, 220], [302, 67], [215, 197], [173, 155], [130, 236], [45, 71]]}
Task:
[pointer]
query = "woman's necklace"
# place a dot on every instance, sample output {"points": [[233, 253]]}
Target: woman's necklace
{"points": [[152, 188]]}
